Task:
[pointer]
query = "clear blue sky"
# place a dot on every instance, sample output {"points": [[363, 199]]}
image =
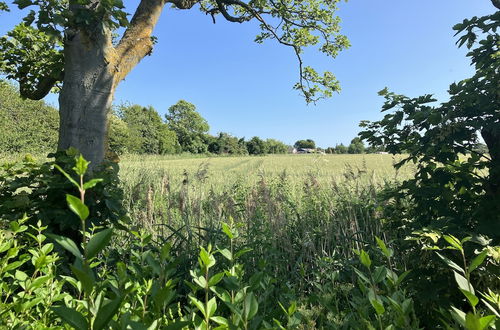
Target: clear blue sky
{"points": [[246, 89]]}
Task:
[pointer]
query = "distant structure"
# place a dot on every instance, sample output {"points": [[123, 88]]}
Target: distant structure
{"points": [[382, 153], [305, 151]]}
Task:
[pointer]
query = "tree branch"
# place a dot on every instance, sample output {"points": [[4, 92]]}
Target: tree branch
{"points": [[43, 87], [496, 3]]}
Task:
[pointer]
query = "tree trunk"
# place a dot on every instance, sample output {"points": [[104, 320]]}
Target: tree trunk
{"points": [[86, 95]]}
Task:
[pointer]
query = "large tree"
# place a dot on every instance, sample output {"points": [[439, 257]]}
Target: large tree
{"points": [[189, 126], [69, 45]]}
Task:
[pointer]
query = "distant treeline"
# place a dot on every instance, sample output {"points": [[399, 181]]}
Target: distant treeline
{"points": [[32, 126]]}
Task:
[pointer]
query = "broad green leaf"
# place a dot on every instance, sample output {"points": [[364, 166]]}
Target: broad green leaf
{"points": [[242, 252], [227, 230], [458, 315], [67, 243], [227, 254], [215, 279], [402, 277], [477, 261], [381, 244], [198, 305], [85, 276], [71, 317], [485, 321], [463, 283], [211, 307], [219, 320], [206, 259], [451, 263], [470, 297], [38, 282], [378, 306], [251, 306], [91, 183], [453, 241], [361, 275], [76, 205], [365, 259], [106, 313], [472, 322], [98, 242], [379, 274]]}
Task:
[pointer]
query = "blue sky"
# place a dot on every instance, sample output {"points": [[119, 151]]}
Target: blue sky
{"points": [[245, 89]]}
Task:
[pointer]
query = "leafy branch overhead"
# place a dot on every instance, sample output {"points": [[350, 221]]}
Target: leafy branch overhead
{"points": [[33, 52]]}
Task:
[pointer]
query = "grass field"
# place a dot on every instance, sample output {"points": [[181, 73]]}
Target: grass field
{"points": [[221, 172]]}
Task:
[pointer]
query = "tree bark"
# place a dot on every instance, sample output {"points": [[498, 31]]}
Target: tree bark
{"points": [[86, 95]]}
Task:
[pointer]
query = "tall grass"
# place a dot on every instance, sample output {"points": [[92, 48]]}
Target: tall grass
{"points": [[292, 210]]}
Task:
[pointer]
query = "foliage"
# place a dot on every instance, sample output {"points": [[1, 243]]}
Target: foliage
{"points": [[455, 189], [225, 143], [257, 146], [306, 144], [276, 147], [118, 135], [25, 125], [38, 189], [189, 126], [147, 132], [246, 273], [356, 146]]}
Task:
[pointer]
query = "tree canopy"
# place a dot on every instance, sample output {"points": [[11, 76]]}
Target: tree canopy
{"points": [[33, 51]]}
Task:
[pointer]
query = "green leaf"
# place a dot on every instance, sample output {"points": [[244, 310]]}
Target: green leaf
{"points": [[477, 261], [76, 205], [365, 259], [68, 244], [379, 274], [85, 276], [241, 252], [251, 306], [81, 165], [98, 242], [21, 4], [70, 179], [381, 244], [463, 283], [215, 279], [227, 230], [458, 315], [211, 307], [377, 305], [470, 297], [402, 277], [206, 259], [71, 317], [91, 183], [220, 320], [38, 282], [454, 242], [485, 321], [227, 254], [451, 263], [106, 313], [198, 305]]}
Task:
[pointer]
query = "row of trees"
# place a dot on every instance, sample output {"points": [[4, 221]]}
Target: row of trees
{"points": [[138, 129], [355, 147], [32, 126]]}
